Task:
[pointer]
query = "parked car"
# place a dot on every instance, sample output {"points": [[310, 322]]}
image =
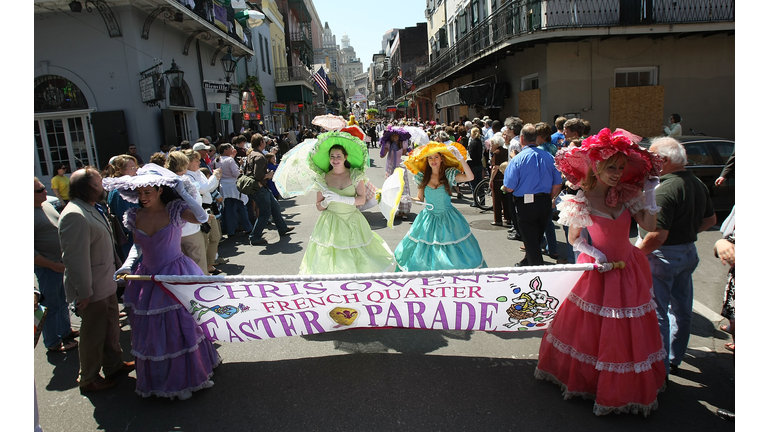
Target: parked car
{"points": [[706, 158]]}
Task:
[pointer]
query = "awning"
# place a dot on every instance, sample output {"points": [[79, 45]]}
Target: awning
{"points": [[488, 96]]}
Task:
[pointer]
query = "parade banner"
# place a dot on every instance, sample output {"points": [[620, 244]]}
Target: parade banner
{"points": [[239, 309]]}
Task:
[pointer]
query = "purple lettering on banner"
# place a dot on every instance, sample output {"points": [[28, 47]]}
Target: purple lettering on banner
{"points": [[310, 322], [471, 315], [414, 315], [250, 335], [393, 313], [443, 318], [267, 327], [486, 316], [232, 333], [288, 327], [496, 278], [199, 297], [232, 292], [319, 289], [352, 286], [211, 334], [294, 288], [372, 314], [475, 279], [428, 282], [264, 290], [393, 282]]}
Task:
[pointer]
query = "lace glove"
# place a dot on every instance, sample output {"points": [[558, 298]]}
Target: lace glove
{"points": [[333, 196], [127, 267], [650, 194], [200, 214], [581, 245], [456, 153]]}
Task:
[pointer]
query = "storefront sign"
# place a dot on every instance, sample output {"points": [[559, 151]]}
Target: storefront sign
{"points": [[278, 108], [149, 89]]}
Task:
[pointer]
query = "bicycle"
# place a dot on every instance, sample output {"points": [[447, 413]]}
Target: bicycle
{"points": [[483, 195]]}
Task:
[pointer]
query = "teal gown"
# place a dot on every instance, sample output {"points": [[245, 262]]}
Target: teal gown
{"points": [[440, 237], [343, 242]]}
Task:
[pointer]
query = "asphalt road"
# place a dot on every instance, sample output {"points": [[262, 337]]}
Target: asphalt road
{"points": [[392, 379]]}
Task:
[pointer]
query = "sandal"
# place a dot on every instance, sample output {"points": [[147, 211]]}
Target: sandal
{"points": [[64, 346], [730, 347], [215, 272], [726, 328]]}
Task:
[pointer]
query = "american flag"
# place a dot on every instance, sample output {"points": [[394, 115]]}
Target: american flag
{"points": [[322, 80]]}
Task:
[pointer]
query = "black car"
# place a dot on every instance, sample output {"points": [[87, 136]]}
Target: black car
{"points": [[706, 158]]}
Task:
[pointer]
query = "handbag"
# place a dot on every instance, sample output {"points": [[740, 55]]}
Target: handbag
{"points": [[247, 185], [117, 228]]}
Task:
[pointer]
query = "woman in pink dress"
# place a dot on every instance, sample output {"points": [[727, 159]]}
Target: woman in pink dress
{"points": [[173, 356], [604, 343]]}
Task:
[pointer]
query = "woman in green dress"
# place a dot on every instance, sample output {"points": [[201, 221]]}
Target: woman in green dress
{"points": [[342, 241]]}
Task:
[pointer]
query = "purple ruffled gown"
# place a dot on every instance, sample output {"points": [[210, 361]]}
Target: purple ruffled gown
{"points": [[173, 356]]}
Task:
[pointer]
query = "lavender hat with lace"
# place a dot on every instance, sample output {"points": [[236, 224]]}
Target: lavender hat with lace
{"points": [[148, 175]]}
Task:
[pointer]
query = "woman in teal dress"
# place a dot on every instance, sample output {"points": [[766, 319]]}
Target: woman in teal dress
{"points": [[440, 237], [342, 241]]}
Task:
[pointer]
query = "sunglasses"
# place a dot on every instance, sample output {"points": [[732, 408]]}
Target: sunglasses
{"points": [[42, 189]]}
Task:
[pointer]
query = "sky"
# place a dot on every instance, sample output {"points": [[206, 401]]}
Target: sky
{"points": [[367, 21]]}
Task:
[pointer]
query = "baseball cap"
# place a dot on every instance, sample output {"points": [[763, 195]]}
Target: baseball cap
{"points": [[200, 146]]}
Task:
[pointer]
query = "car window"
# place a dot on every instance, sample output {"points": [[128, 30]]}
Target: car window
{"points": [[698, 154], [724, 148]]}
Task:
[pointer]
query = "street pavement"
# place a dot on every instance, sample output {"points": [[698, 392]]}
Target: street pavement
{"points": [[392, 379]]}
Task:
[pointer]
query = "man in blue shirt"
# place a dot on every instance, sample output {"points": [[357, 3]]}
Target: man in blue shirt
{"points": [[534, 182]]}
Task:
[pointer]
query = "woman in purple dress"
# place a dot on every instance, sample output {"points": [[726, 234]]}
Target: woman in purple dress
{"points": [[395, 145], [173, 356]]}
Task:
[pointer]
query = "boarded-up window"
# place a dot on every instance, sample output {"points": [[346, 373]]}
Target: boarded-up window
{"points": [[529, 105], [639, 110]]}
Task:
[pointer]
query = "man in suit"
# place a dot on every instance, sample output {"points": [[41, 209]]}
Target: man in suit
{"points": [[87, 249]]}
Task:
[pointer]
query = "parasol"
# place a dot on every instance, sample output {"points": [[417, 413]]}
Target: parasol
{"points": [[294, 176], [358, 97], [418, 135], [391, 194], [330, 122]]}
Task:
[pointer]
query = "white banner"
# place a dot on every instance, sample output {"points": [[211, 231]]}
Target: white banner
{"points": [[239, 309]]}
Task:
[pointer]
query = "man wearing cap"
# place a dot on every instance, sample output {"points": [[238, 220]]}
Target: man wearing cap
{"points": [[534, 182], [202, 148]]}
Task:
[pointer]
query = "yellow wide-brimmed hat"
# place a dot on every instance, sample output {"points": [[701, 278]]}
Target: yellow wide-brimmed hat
{"points": [[417, 158]]}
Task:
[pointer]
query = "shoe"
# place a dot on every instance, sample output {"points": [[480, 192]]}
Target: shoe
{"points": [[673, 369], [289, 231], [523, 263], [122, 314], [725, 414], [260, 242], [62, 347], [496, 223], [511, 230], [100, 384], [507, 223], [726, 328], [72, 334], [215, 272], [220, 261], [126, 368], [514, 236], [522, 248], [460, 196], [473, 205]]}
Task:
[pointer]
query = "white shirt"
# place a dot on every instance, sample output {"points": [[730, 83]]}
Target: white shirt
{"points": [[204, 185]]}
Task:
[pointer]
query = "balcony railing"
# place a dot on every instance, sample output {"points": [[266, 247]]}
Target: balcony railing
{"points": [[292, 73], [204, 9], [518, 17]]}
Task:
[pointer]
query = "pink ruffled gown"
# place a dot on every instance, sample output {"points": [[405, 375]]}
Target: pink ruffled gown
{"points": [[604, 344], [173, 356]]}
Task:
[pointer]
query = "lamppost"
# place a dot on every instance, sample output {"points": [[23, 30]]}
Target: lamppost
{"points": [[229, 64]]}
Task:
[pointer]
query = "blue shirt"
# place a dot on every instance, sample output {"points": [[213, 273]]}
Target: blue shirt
{"points": [[558, 139], [532, 171]]}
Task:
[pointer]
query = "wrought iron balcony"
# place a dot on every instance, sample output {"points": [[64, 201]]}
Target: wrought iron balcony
{"points": [[292, 73], [205, 10], [526, 17]]}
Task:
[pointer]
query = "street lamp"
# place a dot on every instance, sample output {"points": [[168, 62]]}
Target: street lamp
{"points": [[228, 63], [174, 75]]}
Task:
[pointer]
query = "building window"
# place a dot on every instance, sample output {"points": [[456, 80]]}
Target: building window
{"points": [[269, 66], [529, 82], [634, 77]]}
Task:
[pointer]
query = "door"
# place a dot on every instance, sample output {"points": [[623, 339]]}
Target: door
{"points": [[110, 134], [168, 121], [205, 125], [63, 140]]}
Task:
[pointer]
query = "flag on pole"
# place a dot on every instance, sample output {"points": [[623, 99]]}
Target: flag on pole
{"points": [[321, 79]]}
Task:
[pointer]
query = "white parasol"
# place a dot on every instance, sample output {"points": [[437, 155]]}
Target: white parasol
{"points": [[330, 122], [294, 176], [358, 97], [418, 135], [391, 194]]}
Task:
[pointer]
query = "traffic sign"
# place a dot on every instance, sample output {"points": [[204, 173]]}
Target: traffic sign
{"points": [[226, 112]]}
